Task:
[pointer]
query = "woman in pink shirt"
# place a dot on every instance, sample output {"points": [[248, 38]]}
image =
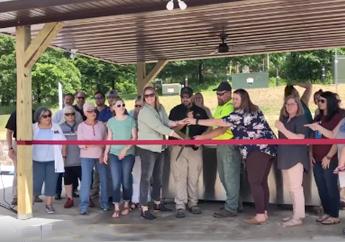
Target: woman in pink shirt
{"points": [[91, 156]]}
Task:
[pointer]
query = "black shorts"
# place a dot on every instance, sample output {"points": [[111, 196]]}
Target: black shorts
{"points": [[72, 173]]}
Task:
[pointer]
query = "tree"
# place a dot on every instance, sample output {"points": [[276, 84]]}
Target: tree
{"points": [[53, 67], [8, 70]]}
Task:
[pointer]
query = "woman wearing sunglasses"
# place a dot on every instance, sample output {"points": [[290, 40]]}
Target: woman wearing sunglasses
{"points": [[120, 157], [324, 157], [153, 124], [47, 159], [72, 154], [91, 156]]}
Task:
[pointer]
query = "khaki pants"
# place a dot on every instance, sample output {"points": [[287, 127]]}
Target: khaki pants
{"points": [[342, 185], [293, 178], [186, 171]]}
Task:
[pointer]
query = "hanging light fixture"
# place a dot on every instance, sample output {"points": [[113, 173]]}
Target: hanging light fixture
{"points": [[182, 5], [170, 5]]}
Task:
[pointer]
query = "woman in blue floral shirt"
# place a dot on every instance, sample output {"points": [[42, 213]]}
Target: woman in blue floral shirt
{"points": [[248, 122]]}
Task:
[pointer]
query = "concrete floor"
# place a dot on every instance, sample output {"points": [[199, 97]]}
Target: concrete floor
{"points": [[68, 225]]}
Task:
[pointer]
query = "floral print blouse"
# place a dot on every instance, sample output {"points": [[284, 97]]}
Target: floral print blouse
{"points": [[252, 125]]}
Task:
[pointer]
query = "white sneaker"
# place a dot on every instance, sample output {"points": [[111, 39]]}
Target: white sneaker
{"points": [[50, 209]]}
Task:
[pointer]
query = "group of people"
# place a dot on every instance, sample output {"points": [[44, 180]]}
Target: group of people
{"points": [[106, 170]]}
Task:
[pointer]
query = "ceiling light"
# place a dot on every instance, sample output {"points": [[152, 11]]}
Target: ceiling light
{"points": [[182, 4], [170, 5]]}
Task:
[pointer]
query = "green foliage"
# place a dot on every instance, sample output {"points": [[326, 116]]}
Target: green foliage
{"points": [[90, 74], [100, 76]]}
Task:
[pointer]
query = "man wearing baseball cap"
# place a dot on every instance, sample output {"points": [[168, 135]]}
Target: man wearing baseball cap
{"points": [[228, 156], [186, 161]]}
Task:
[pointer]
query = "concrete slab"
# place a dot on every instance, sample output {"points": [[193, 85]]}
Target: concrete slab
{"points": [[68, 225]]}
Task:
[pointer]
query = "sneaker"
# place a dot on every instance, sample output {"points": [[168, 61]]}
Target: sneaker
{"points": [[161, 207], [84, 213], [147, 215], [69, 203], [195, 209], [224, 214], [50, 209], [37, 199], [180, 213]]}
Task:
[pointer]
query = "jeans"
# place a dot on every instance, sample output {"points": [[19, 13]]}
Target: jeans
{"points": [[151, 168], [327, 185], [229, 169], [121, 174], [87, 165], [44, 172]]}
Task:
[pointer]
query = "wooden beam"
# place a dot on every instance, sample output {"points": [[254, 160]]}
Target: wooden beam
{"points": [[141, 74], [155, 71], [26, 56], [24, 125], [41, 43]]}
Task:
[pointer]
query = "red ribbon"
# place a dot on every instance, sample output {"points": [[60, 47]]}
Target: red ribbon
{"points": [[186, 142]]}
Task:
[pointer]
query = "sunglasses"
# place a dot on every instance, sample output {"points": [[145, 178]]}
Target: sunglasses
{"points": [[220, 93], [120, 105], [321, 100], [69, 114], [137, 106], [81, 97], [99, 98], [91, 111], [46, 116], [149, 95]]}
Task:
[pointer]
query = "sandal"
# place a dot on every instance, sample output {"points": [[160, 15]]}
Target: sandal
{"points": [[322, 218], [133, 206], [125, 211], [330, 221], [292, 223], [116, 214]]}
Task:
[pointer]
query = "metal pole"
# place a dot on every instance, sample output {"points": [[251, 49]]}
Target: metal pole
{"points": [[336, 70], [60, 95]]}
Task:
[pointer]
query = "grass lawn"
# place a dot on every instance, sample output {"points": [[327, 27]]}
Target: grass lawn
{"points": [[270, 101], [3, 121]]}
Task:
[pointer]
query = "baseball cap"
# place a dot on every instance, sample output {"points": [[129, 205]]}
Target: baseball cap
{"points": [[186, 91], [223, 86]]}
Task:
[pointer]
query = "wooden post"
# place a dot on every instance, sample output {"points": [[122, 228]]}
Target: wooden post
{"points": [[141, 74], [24, 124], [143, 79], [156, 70], [27, 53]]}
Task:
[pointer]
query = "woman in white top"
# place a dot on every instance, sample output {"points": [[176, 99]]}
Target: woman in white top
{"points": [[47, 159]]}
